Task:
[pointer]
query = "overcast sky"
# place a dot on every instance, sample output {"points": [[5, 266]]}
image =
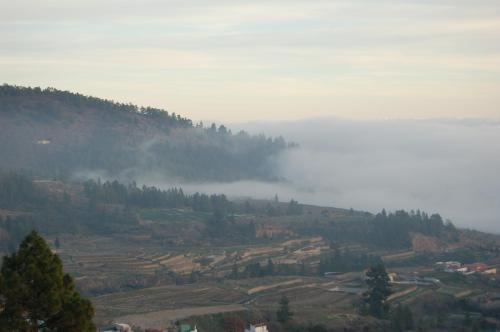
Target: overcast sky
{"points": [[240, 60]]}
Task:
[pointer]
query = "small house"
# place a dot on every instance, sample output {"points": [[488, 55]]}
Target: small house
{"points": [[261, 327]]}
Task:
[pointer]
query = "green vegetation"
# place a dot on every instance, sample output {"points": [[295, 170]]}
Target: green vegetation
{"points": [[384, 230], [35, 294], [112, 207], [152, 197], [284, 313], [18, 191], [375, 299]]}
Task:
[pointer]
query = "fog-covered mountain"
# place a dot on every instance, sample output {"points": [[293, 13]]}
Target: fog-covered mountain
{"points": [[57, 133]]}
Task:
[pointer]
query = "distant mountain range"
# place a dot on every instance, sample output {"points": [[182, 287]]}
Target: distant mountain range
{"points": [[56, 133]]}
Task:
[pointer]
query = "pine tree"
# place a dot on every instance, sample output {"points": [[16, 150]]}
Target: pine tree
{"points": [[37, 295], [375, 299], [284, 313]]}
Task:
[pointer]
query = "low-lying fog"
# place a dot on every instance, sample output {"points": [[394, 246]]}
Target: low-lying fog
{"points": [[446, 166]]}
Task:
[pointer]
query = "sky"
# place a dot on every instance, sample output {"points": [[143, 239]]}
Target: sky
{"points": [[235, 60]]}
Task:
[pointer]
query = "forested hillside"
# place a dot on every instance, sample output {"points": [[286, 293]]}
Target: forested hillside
{"points": [[54, 207], [92, 207], [58, 133]]}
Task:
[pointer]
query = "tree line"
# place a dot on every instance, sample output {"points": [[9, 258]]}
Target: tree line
{"points": [[385, 230], [9, 92], [114, 192], [110, 207]]}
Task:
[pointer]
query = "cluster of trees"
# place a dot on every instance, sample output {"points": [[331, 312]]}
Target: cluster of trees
{"points": [[346, 261], [86, 133], [275, 209], [384, 230], [222, 210], [36, 295], [18, 190], [151, 197], [58, 216], [37, 209], [393, 230], [110, 207]]}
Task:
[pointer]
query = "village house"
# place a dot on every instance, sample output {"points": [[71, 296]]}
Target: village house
{"points": [[476, 267], [451, 267], [183, 328], [257, 328], [398, 278], [117, 327]]}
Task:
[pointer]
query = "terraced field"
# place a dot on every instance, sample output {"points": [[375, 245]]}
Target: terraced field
{"points": [[159, 303], [134, 273]]}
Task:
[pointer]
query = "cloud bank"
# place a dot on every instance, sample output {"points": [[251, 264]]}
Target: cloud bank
{"points": [[446, 166]]}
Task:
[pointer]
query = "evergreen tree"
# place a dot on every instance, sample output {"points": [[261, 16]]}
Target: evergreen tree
{"points": [[375, 299], [37, 295], [284, 313]]}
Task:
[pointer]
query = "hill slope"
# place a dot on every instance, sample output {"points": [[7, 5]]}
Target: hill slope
{"points": [[53, 132]]}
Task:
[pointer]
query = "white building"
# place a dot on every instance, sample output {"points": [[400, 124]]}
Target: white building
{"points": [[116, 327], [257, 328]]}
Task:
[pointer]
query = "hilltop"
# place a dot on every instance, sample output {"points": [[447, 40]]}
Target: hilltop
{"points": [[59, 133]]}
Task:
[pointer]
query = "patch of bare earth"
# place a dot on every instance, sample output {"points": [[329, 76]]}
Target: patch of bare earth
{"points": [[267, 287], [421, 242]]}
